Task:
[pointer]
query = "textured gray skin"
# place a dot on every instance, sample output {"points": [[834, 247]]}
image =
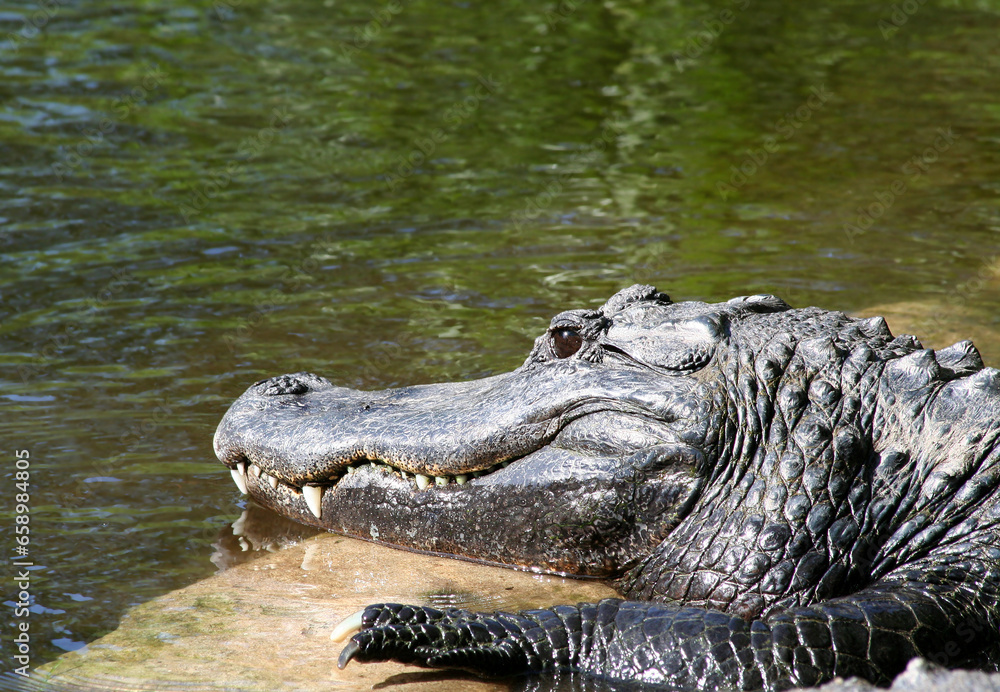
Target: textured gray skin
{"points": [[782, 496]]}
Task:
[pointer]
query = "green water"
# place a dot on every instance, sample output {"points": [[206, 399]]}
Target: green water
{"points": [[194, 196]]}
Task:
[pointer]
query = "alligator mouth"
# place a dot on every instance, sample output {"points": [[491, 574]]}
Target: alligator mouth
{"points": [[312, 493]]}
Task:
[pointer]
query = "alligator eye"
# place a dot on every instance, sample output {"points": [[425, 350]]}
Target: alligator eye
{"points": [[566, 342]]}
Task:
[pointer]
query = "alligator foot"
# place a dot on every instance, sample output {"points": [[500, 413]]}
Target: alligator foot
{"points": [[487, 645]]}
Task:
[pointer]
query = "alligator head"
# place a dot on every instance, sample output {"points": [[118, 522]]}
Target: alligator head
{"points": [[580, 461]]}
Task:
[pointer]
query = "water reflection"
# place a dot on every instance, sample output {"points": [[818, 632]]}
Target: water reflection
{"points": [[258, 529]]}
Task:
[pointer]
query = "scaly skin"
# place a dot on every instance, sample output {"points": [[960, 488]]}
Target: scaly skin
{"points": [[782, 496]]}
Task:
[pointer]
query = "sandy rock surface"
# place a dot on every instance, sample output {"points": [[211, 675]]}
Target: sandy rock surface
{"points": [[264, 622], [923, 676], [939, 325]]}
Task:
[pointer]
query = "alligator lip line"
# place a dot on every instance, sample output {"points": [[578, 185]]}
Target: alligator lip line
{"points": [[313, 492]]}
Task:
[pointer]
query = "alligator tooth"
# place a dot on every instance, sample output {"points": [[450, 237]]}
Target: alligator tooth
{"points": [[352, 469], [255, 470], [272, 481], [239, 475], [314, 498], [422, 481], [441, 480], [461, 479]]}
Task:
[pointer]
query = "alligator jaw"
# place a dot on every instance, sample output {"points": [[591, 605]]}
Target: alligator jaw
{"points": [[244, 473], [301, 433], [566, 513]]}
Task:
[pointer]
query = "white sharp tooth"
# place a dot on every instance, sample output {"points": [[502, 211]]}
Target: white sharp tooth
{"points": [[272, 481], [422, 481], [241, 482], [255, 470], [461, 479], [314, 498], [441, 480]]}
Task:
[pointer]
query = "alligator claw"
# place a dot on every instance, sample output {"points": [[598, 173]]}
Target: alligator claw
{"points": [[348, 626], [348, 653]]}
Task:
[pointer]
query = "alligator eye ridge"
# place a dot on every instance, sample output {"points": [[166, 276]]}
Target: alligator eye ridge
{"points": [[566, 342]]}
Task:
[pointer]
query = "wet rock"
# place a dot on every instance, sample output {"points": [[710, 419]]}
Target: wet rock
{"points": [[923, 676], [265, 622]]}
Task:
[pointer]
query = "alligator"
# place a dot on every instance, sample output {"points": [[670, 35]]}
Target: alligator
{"points": [[781, 496]]}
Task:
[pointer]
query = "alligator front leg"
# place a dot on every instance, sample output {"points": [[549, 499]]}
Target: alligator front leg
{"points": [[614, 638], [871, 634]]}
